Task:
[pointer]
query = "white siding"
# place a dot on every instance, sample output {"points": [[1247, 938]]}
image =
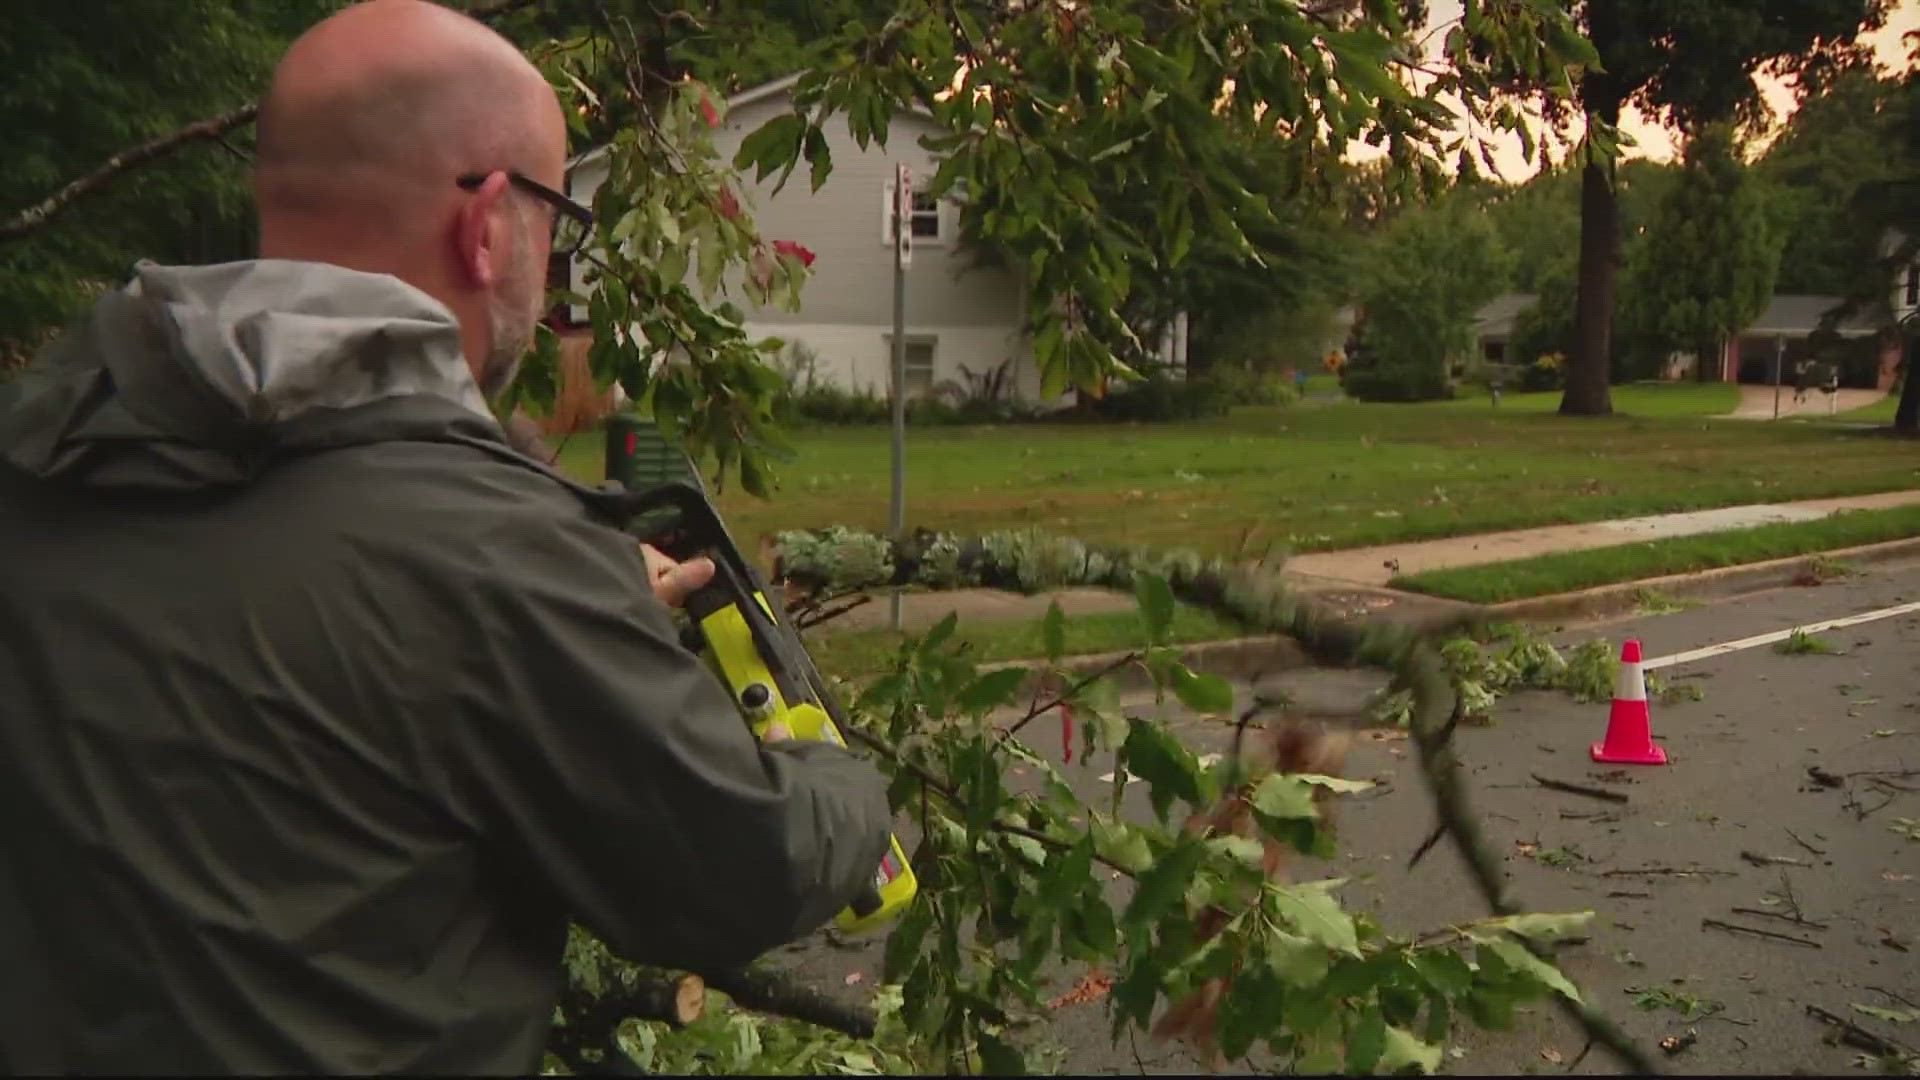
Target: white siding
{"points": [[846, 313]]}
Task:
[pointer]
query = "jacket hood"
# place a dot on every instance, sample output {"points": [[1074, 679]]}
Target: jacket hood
{"points": [[196, 378]]}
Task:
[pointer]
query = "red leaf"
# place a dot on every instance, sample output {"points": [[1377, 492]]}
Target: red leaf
{"points": [[729, 204], [707, 110], [788, 247]]}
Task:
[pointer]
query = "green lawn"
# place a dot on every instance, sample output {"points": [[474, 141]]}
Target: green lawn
{"points": [[1341, 475], [1548, 575], [1652, 399], [1880, 412]]}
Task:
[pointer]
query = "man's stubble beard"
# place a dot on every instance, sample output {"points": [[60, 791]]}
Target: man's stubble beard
{"points": [[511, 318]]}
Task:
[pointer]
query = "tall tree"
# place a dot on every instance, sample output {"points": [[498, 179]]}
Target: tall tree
{"points": [[1710, 270], [1685, 62]]}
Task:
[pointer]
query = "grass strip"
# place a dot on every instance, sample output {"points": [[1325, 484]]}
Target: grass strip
{"points": [[1547, 575], [857, 653]]}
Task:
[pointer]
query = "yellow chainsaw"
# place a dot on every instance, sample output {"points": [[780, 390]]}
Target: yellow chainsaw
{"points": [[748, 641]]}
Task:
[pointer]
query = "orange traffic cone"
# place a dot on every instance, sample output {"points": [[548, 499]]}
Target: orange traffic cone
{"points": [[1630, 724]]}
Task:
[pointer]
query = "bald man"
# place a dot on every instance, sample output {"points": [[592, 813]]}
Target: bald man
{"points": [[325, 709]]}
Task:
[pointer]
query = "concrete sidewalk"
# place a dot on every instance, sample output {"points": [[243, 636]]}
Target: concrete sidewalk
{"points": [[1354, 580], [1379, 565]]}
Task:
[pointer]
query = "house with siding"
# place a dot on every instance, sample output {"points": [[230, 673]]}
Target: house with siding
{"points": [[961, 317]]}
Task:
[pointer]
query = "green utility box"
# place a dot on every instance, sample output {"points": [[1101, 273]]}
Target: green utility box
{"points": [[640, 457]]}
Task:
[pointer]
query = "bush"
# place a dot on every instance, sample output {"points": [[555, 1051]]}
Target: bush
{"points": [[1547, 372], [1369, 379], [1159, 397], [1244, 384]]}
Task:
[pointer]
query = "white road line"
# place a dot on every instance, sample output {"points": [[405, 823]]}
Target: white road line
{"points": [[1779, 635]]}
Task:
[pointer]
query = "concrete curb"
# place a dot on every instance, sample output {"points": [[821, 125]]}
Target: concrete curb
{"points": [[1614, 601]]}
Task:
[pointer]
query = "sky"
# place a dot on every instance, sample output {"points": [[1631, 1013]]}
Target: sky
{"points": [[1651, 140]]}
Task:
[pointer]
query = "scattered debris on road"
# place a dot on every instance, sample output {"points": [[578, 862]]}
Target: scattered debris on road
{"points": [[1091, 988], [1580, 789], [1757, 932]]}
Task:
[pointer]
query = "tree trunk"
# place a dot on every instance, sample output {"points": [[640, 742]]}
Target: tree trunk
{"points": [[1591, 364], [1906, 417]]}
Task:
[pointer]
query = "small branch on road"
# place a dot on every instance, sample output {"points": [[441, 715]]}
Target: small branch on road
{"points": [[1427, 846], [1758, 859], [1757, 932], [1856, 1036], [1580, 789], [1629, 894], [1794, 919], [1804, 844], [1674, 871], [1892, 996]]}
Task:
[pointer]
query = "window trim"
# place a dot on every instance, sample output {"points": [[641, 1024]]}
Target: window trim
{"points": [[942, 219], [931, 341]]}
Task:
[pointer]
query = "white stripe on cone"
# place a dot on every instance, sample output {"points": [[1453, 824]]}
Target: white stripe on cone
{"points": [[1631, 684]]}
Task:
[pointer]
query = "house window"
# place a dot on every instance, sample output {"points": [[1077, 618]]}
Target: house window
{"points": [[919, 364], [928, 222]]}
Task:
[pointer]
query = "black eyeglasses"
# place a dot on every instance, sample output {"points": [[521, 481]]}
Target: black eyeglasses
{"points": [[572, 223]]}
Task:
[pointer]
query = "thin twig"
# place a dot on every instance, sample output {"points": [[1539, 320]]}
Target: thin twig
{"points": [[1892, 995], [1580, 789], [1427, 845], [1756, 931], [1803, 843], [1075, 688], [1794, 919]]}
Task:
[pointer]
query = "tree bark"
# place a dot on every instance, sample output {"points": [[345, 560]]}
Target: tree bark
{"points": [[1906, 416], [1590, 367]]}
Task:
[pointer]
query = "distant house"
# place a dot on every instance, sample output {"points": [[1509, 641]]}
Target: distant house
{"points": [[958, 315], [1788, 320], [1493, 325]]}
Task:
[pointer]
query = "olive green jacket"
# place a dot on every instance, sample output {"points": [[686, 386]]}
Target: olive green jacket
{"points": [[325, 710]]}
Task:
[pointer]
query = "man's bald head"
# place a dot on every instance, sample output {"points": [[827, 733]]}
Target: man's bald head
{"points": [[391, 98], [373, 116]]}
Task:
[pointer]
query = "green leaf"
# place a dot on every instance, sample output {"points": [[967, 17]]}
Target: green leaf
{"points": [[1205, 694], [1891, 1016], [1162, 888], [1284, 795], [1251, 1009], [1156, 605], [1053, 631], [1122, 844], [1334, 783], [903, 944], [1313, 911], [1402, 1051], [1367, 1042], [1523, 962], [990, 691], [938, 636], [1539, 927], [1248, 853], [1163, 761], [1297, 961]]}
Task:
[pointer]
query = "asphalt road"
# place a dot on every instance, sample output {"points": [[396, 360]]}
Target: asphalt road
{"points": [[1653, 868]]}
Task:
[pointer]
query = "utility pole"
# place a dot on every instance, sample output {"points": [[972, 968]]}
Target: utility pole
{"points": [[902, 258], [1779, 354]]}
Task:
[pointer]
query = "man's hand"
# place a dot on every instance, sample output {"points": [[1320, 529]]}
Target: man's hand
{"points": [[674, 581]]}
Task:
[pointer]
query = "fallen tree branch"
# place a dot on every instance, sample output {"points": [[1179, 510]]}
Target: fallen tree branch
{"points": [[778, 994], [1794, 919], [212, 129], [589, 1025]]}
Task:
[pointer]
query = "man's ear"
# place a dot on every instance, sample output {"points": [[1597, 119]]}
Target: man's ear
{"points": [[478, 236]]}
